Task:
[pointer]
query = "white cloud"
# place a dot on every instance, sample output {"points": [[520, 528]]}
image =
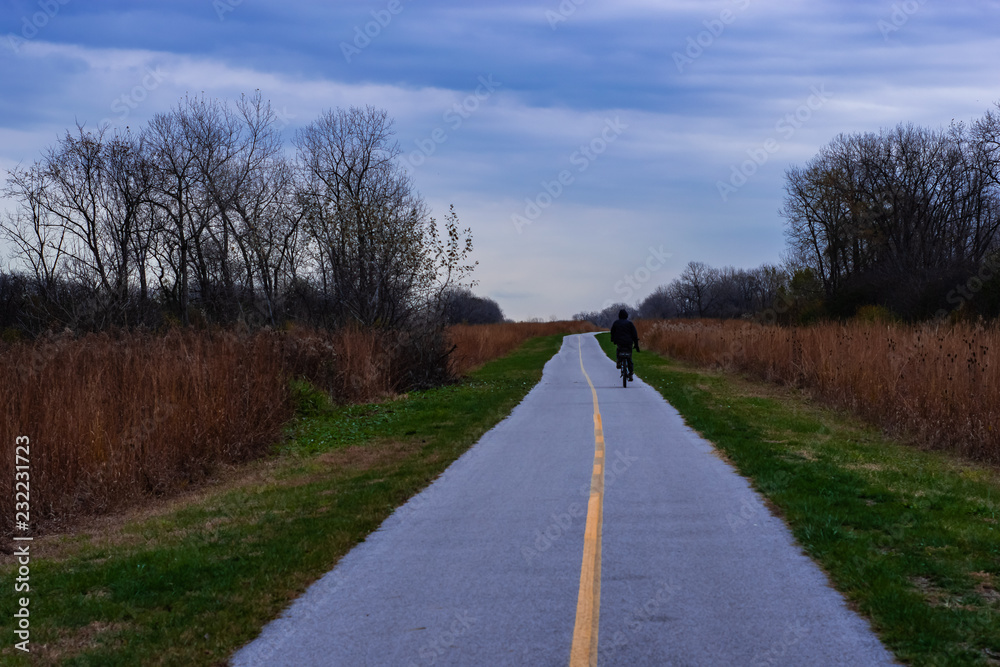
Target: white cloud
{"points": [[655, 185]]}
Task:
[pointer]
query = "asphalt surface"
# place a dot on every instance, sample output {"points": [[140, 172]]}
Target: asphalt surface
{"points": [[484, 566]]}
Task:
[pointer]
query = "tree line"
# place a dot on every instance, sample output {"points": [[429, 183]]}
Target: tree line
{"points": [[705, 291], [900, 223], [205, 215], [905, 219]]}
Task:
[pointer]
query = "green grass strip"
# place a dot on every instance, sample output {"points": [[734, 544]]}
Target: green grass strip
{"points": [[192, 585], [910, 537]]}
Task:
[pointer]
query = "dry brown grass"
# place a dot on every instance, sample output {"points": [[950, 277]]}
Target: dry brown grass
{"points": [[118, 419], [115, 418], [353, 365], [936, 384], [476, 344]]}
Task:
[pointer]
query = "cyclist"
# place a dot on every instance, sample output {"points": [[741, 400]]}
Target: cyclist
{"points": [[624, 335]]}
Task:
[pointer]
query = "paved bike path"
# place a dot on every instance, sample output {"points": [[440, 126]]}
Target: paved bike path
{"points": [[483, 567]]}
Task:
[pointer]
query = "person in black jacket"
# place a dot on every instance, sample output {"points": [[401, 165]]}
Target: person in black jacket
{"points": [[624, 335]]}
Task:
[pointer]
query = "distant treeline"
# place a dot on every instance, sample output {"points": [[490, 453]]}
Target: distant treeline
{"points": [[204, 216], [903, 223], [703, 291], [461, 306]]}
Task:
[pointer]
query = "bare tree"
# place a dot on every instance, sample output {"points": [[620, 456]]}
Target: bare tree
{"points": [[769, 282], [660, 304], [177, 198], [377, 249], [703, 291], [251, 186], [890, 216], [202, 211], [462, 306], [695, 290], [37, 241], [80, 209]]}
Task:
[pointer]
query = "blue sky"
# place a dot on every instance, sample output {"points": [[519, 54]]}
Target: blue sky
{"points": [[583, 141]]}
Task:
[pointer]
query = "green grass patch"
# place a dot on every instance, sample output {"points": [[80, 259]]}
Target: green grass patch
{"points": [[910, 537], [190, 585]]}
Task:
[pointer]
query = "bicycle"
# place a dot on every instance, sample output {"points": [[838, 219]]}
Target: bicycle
{"points": [[625, 363]]}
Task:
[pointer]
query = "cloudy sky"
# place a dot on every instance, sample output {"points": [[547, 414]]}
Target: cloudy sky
{"points": [[593, 146]]}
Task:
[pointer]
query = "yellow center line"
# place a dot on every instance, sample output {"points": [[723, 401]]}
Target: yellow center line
{"points": [[588, 603]]}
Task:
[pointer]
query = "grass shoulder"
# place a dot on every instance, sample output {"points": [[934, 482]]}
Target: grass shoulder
{"points": [[910, 537], [190, 584]]}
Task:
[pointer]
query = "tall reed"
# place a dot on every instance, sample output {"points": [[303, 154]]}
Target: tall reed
{"points": [[112, 418], [120, 418], [935, 383], [476, 344]]}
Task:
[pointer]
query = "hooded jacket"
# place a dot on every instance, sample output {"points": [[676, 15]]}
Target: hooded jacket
{"points": [[623, 334]]}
